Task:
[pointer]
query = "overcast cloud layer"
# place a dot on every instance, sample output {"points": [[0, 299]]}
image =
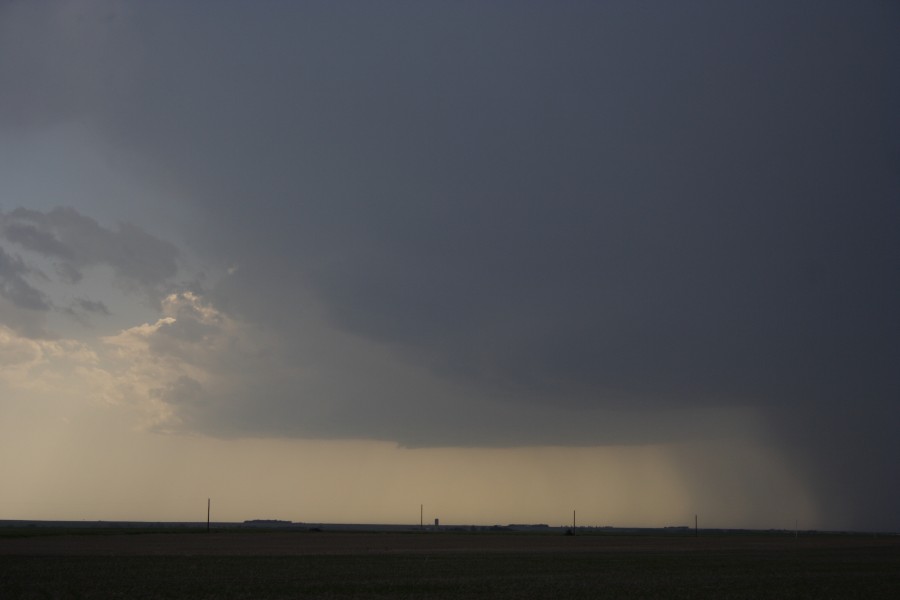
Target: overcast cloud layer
{"points": [[487, 223]]}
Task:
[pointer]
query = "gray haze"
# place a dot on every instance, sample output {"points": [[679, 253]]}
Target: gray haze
{"points": [[565, 223]]}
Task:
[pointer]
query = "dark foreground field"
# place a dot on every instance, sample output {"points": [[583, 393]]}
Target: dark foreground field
{"points": [[446, 565]]}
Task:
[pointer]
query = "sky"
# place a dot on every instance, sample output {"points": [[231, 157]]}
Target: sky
{"points": [[334, 261]]}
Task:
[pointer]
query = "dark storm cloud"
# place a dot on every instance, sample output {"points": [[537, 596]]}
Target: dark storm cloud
{"points": [[139, 260], [680, 206], [637, 207]]}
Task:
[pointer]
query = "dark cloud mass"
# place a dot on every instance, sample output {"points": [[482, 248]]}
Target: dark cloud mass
{"points": [[647, 208]]}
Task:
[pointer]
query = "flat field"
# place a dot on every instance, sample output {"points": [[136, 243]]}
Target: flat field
{"points": [[301, 564]]}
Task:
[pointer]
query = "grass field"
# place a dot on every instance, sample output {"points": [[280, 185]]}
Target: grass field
{"points": [[445, 565]]}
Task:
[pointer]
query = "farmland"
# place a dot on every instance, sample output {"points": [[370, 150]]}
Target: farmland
{"points": [[328, 564]]}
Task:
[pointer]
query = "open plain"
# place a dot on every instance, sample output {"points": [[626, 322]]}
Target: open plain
{"points": [[327, 564]]}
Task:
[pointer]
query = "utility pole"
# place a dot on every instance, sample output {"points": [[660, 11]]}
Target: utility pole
{"points": [[421, 521], [696, 529], [207, 514]]}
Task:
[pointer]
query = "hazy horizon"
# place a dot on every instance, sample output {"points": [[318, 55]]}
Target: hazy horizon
{"points": [[328, 261], [462, 494]]}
